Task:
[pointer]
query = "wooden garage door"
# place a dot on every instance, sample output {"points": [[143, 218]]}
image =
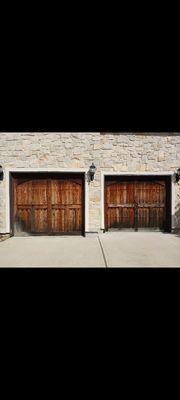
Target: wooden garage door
{"points": [[48, 205], [140, 204]]}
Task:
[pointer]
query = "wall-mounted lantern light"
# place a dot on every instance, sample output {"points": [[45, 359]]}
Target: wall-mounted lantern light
{"points": [[177, 175], [92, 170], [1, 173]]}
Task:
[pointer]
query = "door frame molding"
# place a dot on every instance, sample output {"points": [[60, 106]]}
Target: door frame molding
{"points": [[145, 174], [8, 189]]}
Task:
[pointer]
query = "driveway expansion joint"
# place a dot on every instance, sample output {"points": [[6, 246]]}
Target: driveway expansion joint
{"points": [[103, 253]]}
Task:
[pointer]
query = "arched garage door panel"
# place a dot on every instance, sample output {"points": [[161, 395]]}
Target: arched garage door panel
{"points": [[52, 205], [133, 203]]}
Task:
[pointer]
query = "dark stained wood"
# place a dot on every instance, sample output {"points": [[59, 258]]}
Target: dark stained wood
{"points": [[49, 205], [135, 204], [39, 202], [67, 203]]}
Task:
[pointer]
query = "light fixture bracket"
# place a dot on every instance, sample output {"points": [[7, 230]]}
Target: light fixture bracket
{"points": [[1, 173], [177, 175], [92, 170]]}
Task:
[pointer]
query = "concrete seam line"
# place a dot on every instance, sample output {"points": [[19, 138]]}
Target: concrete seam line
{"points": [[103, 253]]}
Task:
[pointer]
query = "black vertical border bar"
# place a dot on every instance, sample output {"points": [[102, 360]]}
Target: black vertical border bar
{"points": [[105, 206], [11, 203], [169, 183], [84, 203]]}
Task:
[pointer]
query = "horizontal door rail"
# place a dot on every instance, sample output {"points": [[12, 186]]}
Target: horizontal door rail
{"points": [[63, 206], [143, 205]]}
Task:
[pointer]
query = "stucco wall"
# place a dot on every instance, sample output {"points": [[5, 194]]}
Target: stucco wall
{"points": [[138, 153]]}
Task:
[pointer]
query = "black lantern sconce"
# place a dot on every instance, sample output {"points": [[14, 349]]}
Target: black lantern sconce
{"points": [[177, 175], [1, 173], [92, 170]]}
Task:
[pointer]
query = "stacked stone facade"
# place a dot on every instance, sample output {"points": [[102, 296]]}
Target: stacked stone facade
{"points": [[111, 152]]}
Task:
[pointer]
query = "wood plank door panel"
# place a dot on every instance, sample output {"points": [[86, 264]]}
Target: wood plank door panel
{"points": [[22, 205], [67, 205], [48, 206], [39, 210], [135, 204], [150, 198], [30, 206], [119, 205], [58, 220]]}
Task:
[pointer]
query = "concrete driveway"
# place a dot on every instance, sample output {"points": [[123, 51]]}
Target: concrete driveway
{"points": [[121, 249], [141, 249]]}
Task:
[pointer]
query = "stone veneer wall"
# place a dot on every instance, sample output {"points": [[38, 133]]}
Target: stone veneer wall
{"points": [[110, 153]]}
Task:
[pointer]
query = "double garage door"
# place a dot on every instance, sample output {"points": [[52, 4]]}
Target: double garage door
{"points": [[138, 203], [48, 204], [55, 203]]}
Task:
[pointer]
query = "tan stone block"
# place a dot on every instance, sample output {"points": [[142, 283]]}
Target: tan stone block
{"points": [[161, 156], [143, 167], [97, 146]]}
